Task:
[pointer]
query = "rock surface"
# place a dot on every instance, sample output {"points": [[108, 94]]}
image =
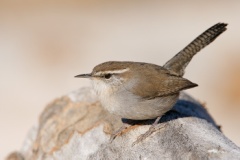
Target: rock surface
{"points": [[77, 127]]}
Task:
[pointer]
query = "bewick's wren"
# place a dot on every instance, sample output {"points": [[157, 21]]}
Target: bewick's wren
{"points": [[139, 91]]}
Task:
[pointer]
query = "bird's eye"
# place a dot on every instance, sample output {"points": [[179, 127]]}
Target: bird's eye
{"points": [[107, 76]]}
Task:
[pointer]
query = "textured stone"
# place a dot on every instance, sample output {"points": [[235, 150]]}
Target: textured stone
{"points": [[77, 127]]}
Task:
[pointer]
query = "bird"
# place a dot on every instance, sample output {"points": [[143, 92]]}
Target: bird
{"points": [[142, 91]]}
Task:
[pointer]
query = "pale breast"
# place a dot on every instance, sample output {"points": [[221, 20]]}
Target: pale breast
{"points": [[129, 106]]}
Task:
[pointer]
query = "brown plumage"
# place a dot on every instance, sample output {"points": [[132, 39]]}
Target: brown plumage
{"points": [[156, 81]]}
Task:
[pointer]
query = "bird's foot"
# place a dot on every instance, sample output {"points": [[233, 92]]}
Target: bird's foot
{"points": [[152, 129], [119, 131]]}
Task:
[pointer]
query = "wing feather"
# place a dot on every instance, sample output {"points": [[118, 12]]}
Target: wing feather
{"points": [[162, 84]]}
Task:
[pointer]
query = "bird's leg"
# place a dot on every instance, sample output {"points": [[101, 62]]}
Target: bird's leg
{"points": [[152, 129], [119, 131]]}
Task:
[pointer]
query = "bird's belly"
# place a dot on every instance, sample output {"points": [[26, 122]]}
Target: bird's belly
{"points": [[133, 107]]}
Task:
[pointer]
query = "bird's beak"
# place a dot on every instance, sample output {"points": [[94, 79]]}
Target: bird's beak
{"points": [[83, 76]]}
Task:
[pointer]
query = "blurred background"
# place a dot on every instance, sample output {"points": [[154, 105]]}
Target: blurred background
{"points": [[44, 44]]}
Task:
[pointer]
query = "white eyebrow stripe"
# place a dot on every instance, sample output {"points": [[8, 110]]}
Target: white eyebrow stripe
{"points": [[112, 72]]}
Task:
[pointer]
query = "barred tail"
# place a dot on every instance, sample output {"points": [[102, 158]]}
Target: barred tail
{"points": [[180, 61]]}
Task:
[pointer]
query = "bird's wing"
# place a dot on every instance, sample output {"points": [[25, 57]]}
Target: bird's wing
{"points": [[152, 86]]}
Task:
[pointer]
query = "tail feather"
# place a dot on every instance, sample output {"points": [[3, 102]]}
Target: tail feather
{"points": [[180, 61]]}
